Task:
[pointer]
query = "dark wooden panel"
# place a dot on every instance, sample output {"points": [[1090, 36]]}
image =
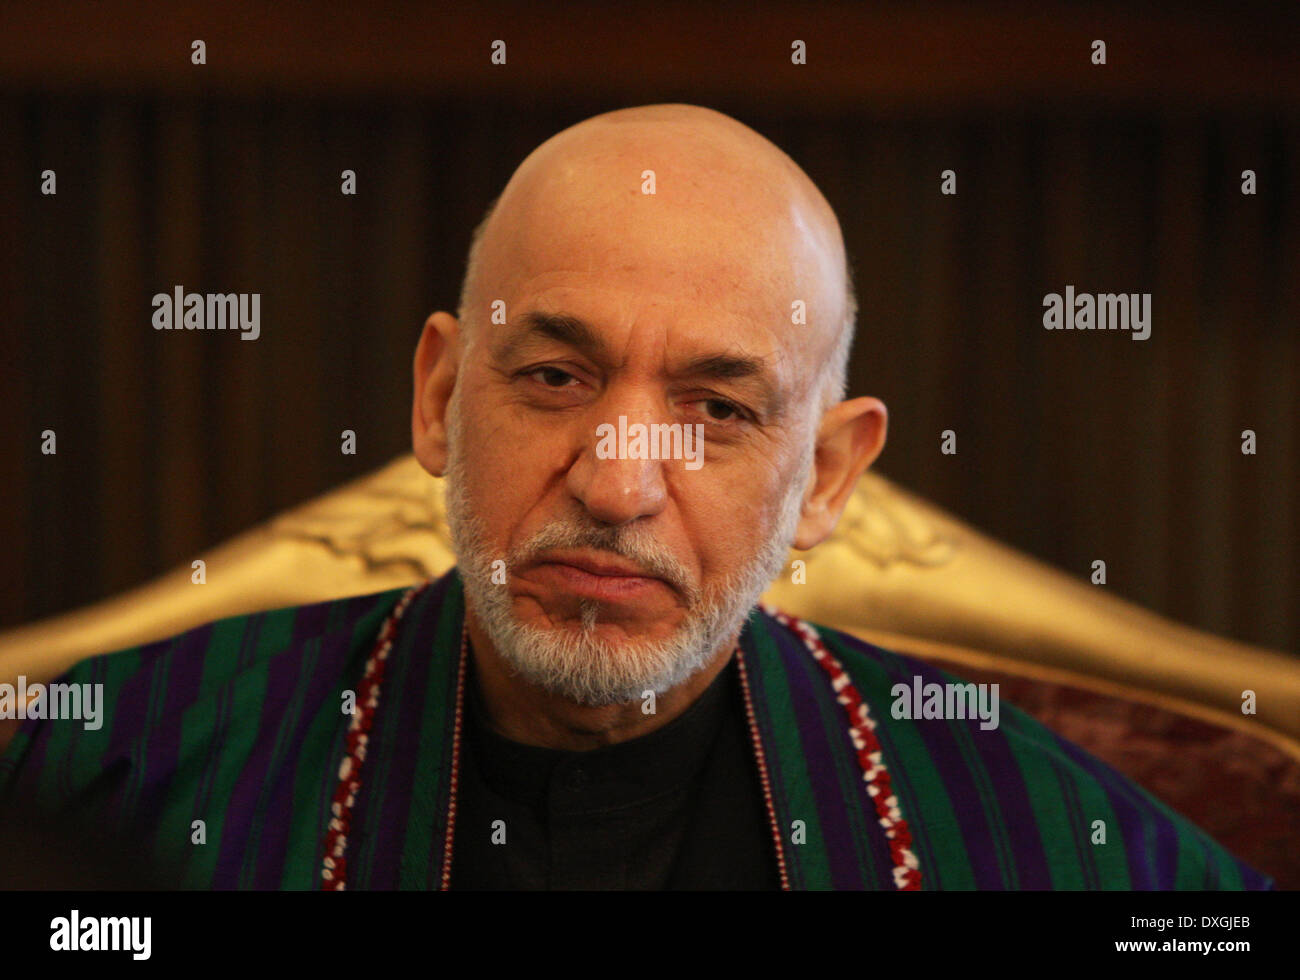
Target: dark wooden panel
{"points": [[894, 56]]}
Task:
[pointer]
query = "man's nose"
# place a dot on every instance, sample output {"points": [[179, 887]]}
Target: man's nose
{"points": [[615, 489]]}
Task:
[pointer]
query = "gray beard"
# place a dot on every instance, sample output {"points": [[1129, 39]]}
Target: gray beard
{"points": [[576, 663]]}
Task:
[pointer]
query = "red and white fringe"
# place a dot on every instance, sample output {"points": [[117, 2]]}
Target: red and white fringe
{"points": [[862, 731], [334, 872]]}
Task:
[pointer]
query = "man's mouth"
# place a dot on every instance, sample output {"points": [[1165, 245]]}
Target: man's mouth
{"points": [[601, 576]]}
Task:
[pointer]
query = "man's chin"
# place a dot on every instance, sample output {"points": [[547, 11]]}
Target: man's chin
{"points": [[609, 634], [643, 622]]}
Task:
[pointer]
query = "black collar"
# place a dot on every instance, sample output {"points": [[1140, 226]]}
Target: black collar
{"points": [[607, 778]]}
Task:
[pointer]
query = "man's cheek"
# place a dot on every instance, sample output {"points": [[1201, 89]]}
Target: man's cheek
{"points": [[521, 442]]}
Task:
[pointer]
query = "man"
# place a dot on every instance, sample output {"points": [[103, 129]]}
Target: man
{"points": [[591, 699]]}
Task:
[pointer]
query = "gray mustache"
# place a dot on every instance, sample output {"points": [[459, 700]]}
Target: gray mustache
{"points": [[620, 541]]}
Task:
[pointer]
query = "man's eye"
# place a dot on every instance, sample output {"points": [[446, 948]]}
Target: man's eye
{"points": [[721, 410], [552, 377]]}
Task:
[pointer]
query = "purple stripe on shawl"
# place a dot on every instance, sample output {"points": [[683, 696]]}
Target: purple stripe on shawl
{"points": [[1131, 809], [317, 690], [382, 814], [185, 660], [282, 672], [950, 763], [1012, 796], [813, 699], [131, 735]]}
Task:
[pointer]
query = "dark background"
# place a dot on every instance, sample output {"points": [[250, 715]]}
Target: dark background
{"points": [[225, 178]]}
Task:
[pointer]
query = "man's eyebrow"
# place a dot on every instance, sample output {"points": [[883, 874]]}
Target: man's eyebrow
{"points": [[752, 372], [724, 367], [560, 327]]}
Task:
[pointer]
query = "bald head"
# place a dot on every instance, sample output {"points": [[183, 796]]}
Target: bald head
{"points": [[661, 273], [695, 199]]}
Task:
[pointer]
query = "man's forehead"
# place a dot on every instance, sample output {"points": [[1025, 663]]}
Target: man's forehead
{"points": [[710, 244], [712, 202], [720, 228], [722, 268]]}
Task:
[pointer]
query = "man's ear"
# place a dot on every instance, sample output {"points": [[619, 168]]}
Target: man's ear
{"points": [[851, 436], [437, 357]]}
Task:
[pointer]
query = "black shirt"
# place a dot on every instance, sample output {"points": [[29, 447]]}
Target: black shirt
{"points": [[679, 808]]}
